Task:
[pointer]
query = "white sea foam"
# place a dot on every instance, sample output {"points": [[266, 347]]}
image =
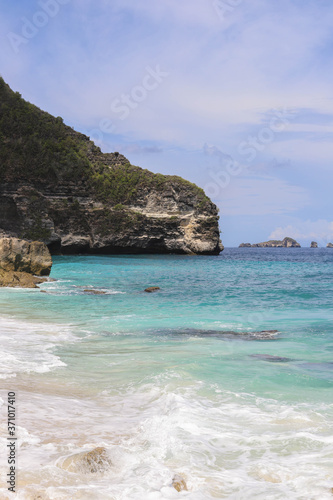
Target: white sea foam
{"points": [[224, 445], [66, 287], [28, 347]]}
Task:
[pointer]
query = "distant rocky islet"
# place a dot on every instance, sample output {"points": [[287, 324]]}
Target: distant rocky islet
{"points": [[285, 243]]}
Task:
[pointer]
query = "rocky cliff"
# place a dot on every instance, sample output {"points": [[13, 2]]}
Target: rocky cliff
{"points": [[56, 186], [285, 243]]}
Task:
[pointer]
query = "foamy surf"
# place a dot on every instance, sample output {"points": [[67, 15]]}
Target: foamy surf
{"points": [[28, 347], [224, 446]]}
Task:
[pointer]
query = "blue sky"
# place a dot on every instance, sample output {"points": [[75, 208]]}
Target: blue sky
{"points": [[234, 95]]}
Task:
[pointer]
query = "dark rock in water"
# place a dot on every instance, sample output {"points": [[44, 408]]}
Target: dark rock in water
{"points": [[271, 358], [178, 482], [314, 244], [268, 331], [260, 335], [329, 245], [92, 291], [96, 460], [151, 289], [245, 245]]}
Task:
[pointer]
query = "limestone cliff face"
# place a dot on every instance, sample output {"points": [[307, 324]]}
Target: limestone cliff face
{"points": [[70, 220], [56, 186]]}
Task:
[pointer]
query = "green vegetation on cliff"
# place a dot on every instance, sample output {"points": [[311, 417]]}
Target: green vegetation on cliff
{"points": [[36, 146], [40, 149], [122, 183]]}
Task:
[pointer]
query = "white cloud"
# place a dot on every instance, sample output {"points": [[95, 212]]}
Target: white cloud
{"points": [[263, 195], [223, 75], [138, 149], [189, 12], [317, 151], [311, 128], [320, 231]]}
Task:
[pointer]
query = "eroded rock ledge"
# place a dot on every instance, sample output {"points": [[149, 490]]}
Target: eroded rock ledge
{"points": [[70, 220]]}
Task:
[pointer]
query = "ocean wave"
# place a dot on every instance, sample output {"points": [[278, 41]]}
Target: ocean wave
{"points": [[28, 347], [227, 446]]}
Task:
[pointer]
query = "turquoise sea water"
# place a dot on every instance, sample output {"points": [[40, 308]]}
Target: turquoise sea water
{"points": [[181, 381]]}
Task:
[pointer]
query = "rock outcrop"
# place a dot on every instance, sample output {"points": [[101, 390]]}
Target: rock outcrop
{"points": [[329, 245], [56, 186], [19, 279], [314, 244], [22, 263], [24, 256], [285, 243]]}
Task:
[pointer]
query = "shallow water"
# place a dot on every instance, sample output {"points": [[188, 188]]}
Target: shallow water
{"points": [[178, 381]]}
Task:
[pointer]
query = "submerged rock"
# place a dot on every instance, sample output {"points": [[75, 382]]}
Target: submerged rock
{"points": [[229, 334], [151, 289], [271, 358], [24, 256], [92, 291], [96, 460], [260, 335], [178, 482]]}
